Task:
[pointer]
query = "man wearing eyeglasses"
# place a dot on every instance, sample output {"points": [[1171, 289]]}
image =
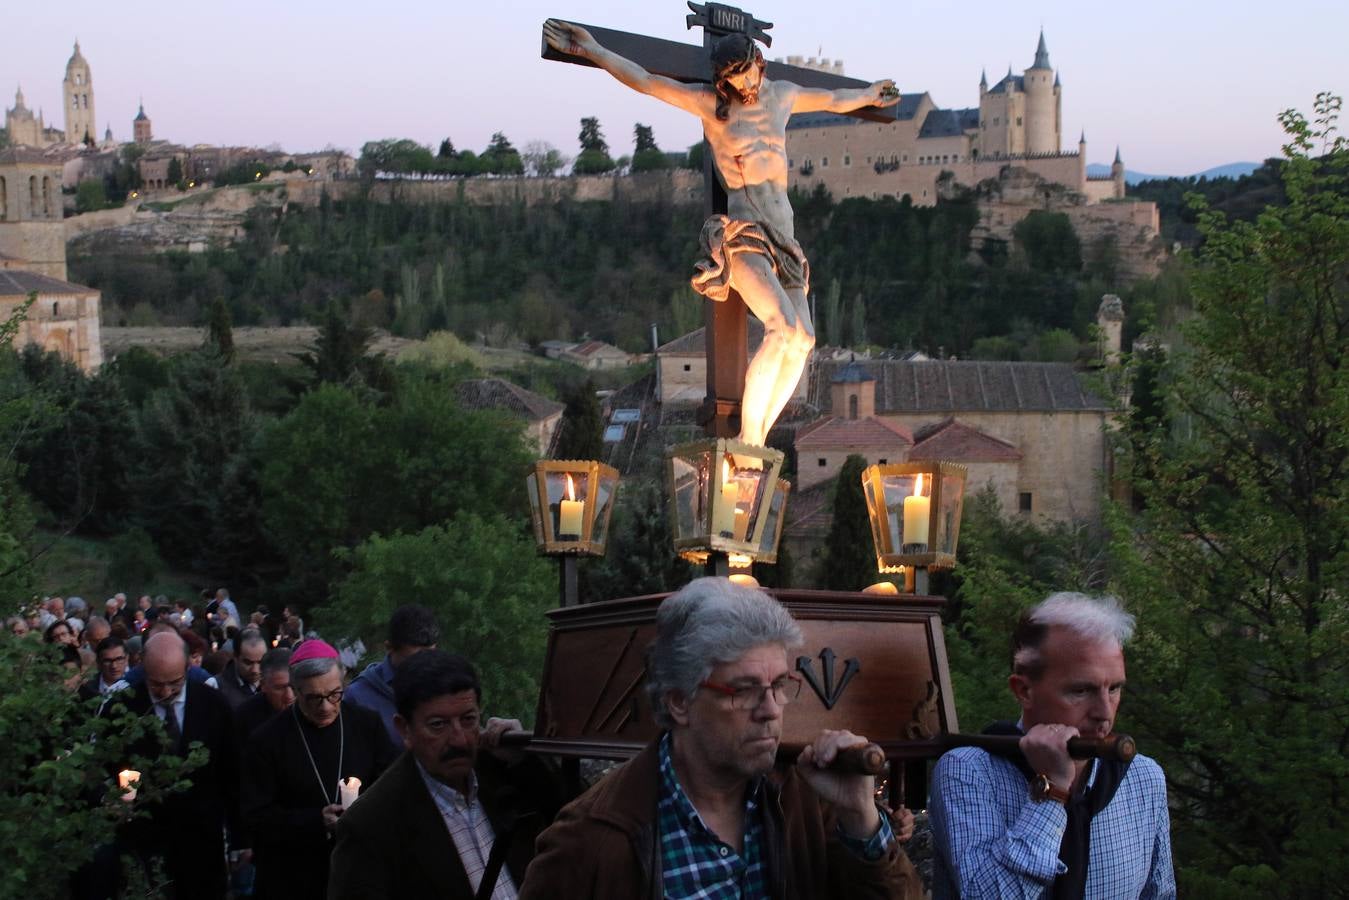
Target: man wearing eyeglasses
{"points": [[701, 812], [292, 770], [110, 657]]}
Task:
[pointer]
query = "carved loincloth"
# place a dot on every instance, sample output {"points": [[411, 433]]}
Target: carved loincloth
{"points": [[723, 237]]}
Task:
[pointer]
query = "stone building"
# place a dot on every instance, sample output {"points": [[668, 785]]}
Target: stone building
{"points": [[681, 367], [25, 128], [141, 130], [63, 319], [30, 211], [1018, 120], [542, 417], [596, 355], [78, 89]]}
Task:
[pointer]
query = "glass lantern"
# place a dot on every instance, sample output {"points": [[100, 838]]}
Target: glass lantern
{"points": [[915, 513], [724, 498], [570, 501]]}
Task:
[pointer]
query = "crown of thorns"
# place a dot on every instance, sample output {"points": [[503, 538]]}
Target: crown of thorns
{"points": [[734, 54]]}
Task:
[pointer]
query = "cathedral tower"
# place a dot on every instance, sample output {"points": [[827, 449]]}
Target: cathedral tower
{"points": [[140, 127], [79, 99], [1042, 104]]}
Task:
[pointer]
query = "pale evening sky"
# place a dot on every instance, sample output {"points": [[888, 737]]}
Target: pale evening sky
{"points": [[1181, 85]]}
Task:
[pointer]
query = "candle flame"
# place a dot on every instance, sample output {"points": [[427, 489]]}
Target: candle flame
{"points": [[918, 486], [725, 471], [571, 488]]}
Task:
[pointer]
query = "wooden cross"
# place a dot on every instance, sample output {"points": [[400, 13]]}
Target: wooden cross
{"points": [[727, 331]]}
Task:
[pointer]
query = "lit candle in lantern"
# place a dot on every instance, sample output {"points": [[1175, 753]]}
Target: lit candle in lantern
{"points": [[572, 514], [348, 789], [724, 513], [127, 779], [916, 510]]}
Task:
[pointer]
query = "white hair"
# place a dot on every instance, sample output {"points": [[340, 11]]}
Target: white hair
{"points": [[1096, 619]]}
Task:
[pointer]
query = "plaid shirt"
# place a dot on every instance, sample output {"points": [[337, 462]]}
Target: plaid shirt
{"points": [[993, 840], [472, 834], [697, 865]]}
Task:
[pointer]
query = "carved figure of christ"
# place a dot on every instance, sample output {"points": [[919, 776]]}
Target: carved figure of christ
{"points": [[752, 250]]}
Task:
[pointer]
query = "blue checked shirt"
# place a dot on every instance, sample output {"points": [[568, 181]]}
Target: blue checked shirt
{"points": [[697, 865], [993, 840]]}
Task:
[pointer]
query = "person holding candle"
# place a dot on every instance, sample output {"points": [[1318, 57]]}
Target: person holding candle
{"points": [[453, 812], [292, 768]]}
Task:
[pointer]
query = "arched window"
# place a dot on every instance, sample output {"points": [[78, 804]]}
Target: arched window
{"points": [[852, 406], [4, 199], [56, 310], [46, 196], [32, 196]]}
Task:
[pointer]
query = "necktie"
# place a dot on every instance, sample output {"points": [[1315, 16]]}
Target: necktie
{"points": [[171, 723]]}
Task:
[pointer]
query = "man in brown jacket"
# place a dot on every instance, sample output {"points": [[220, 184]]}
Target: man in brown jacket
{"points": [[700, 811]]}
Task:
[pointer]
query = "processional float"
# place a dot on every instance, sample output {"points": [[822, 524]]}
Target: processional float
{"points": [[874, 661]]}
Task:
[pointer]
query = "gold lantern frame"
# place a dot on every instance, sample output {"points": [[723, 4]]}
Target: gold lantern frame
{"points": [[946, 499], [594, 485], [703, 476]]}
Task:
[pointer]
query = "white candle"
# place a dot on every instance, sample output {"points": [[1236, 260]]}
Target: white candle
{"points": [[724, 513], [127, 779], [572, 514], [916, 510], [348, 789]]}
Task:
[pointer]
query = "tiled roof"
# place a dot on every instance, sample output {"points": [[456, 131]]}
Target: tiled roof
{"points": [[18, 283], [811, 511], [949, 122], [590, 348], [495, 393], [848, 434], [1009, 82], [949, 386], [958, 442], [696, 344]]}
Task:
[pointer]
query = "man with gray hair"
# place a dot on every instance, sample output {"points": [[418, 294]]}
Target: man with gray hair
{"points": [[701, 812], [293, 768], [1040, 823]]}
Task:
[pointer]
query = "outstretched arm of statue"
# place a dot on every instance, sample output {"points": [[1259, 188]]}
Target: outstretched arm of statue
{"points": [[572, 39], [879, 93]]}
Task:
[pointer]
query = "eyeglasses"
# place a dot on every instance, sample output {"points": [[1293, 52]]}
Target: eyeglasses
{"points": [[785, 690], [112, 660], [333, 697]]}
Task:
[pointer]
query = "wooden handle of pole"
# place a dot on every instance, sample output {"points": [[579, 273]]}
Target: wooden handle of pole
{"points": [[859, 759], [1119, 747]]}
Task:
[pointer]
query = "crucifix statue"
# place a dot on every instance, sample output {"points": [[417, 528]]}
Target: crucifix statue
{"points": [[748, 248]]}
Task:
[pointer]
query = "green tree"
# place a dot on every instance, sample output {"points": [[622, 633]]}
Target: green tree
{"points": [[697, 153], [542, 159], [1049, 242], [59, 801], [640, 558], [1237, 565], [831, 315], [594, 158], [17, 412], [339, 355], [219, 333], [647, 157], [91, 195], [486, 584], [582, 425], [857, 322], [174, 175], [849, 558], [501, 158]]}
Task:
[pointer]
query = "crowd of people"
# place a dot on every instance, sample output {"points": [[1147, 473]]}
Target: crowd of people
{"points": [[393, 783]]}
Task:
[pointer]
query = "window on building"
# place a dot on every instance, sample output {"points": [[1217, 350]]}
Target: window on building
{"points": [[824, 161], [790, 164], [688, 368], [847, 160], [996, 120], [1018, 120], [852, 406], [821, 462], [906, 157], [882, 461], [868, 159], [56, 310], [1024, 501]]}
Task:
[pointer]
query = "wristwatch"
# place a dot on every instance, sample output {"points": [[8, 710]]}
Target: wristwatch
{"points": [[1041, 788]]}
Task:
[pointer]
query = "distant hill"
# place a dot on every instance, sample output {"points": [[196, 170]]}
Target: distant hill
{"points": [[1230, 170]]}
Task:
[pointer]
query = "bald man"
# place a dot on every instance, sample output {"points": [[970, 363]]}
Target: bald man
{"points": [[185, 830]]}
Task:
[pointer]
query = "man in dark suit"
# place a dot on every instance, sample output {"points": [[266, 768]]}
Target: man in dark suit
{"points": [[186, 829], [445, 817]]}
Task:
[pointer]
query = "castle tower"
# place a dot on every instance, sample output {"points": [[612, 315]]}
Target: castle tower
{"points": [[140, 127], [1082, 160], [79, 100], [30, 211], [1042, 104], [1117, 174], [1110, 328], [983, 83]]}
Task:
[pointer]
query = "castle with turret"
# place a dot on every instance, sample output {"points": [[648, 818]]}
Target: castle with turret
{"points": [[1019, 122]]}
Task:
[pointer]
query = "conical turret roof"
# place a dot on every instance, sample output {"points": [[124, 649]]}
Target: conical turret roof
{"points": [[1041, 54]]}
